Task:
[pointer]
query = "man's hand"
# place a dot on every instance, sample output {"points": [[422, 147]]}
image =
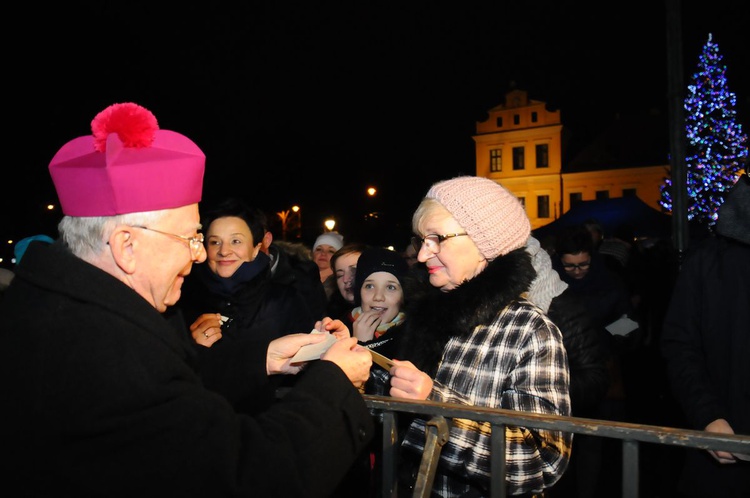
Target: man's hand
{"points": [[281, 350], [722, 426], [354, 360]]}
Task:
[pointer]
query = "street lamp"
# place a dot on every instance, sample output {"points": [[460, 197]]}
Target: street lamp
{"points": [[284, 217], [289, 223], [330, 224], [372, 212]]}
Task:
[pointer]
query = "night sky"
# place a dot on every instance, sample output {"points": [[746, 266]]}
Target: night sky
{"points": [[314, 104]]}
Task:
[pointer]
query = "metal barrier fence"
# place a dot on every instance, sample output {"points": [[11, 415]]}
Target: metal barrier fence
{"points": [[630, 434]]}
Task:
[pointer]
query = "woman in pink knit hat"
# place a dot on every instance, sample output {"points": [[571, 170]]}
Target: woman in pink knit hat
{"points": [[476, 340]]}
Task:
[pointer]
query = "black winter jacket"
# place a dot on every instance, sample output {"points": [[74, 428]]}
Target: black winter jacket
{"points": [[259, 311], [584, 341], [99, 400]]}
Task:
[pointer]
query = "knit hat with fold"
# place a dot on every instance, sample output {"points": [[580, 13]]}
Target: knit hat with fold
{"points": [[333, 239], [492, 216]]}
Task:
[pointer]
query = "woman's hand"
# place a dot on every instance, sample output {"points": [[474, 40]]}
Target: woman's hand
{"points": [[366, 324], [335, 327], [407, 381], [206, 329]]}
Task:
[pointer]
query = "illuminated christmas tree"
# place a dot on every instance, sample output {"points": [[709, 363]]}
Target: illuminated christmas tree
{"points": [[716, 145]]}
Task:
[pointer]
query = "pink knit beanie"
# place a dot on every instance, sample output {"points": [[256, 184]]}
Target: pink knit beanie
{"points": [[492, 216]]}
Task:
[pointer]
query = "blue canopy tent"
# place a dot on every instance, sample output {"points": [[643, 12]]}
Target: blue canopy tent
{"points": [[612, 214]]}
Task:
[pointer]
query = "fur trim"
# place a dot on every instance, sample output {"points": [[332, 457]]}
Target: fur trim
{"points": [[438, 316]]}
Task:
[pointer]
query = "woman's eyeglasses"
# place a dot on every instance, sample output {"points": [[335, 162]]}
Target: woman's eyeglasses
{"points": [[432, 241], [580, 266]]}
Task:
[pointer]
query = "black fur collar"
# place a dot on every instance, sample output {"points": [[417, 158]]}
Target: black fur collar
{"points": [[437, 316]]}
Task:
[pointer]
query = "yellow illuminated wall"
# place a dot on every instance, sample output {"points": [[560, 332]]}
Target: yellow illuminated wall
{"points": [[521, 124]]}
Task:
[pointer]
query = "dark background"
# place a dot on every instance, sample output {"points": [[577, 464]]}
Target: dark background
{"points": [[297, 103]]}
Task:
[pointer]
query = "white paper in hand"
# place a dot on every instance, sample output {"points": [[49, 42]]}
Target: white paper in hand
{"points": [[313, 351], [622, 326]]}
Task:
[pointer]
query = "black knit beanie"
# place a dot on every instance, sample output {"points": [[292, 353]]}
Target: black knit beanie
{"points": [[375, 259]]}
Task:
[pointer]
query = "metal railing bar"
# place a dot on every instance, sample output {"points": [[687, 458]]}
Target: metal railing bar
{"points": [[603, 428], [497, 461], [630, 434], [630, 468]]}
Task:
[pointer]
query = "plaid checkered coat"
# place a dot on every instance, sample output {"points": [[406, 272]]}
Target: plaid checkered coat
{"points": [[486, 346]]}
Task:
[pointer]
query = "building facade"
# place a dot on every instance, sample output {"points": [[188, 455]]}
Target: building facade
{"points": [[520, 145]]}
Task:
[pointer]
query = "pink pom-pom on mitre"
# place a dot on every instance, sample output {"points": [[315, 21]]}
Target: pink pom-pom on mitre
{"points": [[135, 125]]}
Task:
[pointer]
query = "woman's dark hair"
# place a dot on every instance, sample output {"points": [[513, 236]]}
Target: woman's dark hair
{"points": [[574, 240], [347, 249], [254, 217]]}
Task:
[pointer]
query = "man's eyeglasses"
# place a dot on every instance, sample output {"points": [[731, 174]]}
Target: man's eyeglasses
{"points": [[432, 241], [580, 266], [195, 243]]}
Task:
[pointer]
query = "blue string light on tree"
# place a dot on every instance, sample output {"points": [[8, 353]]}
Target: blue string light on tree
{"points": [[717, 147]]}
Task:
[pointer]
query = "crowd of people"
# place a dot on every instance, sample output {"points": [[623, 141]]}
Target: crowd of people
{"points": [[150, 348]]}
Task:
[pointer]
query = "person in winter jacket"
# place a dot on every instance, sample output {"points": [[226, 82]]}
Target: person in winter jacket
{"points": [[586, 345], [706, 344], [99, 393], [237, 285], [583, 340], [475, 339]]}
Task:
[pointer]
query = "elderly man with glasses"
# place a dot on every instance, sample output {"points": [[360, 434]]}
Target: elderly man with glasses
{"points": [[100, 397]]}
